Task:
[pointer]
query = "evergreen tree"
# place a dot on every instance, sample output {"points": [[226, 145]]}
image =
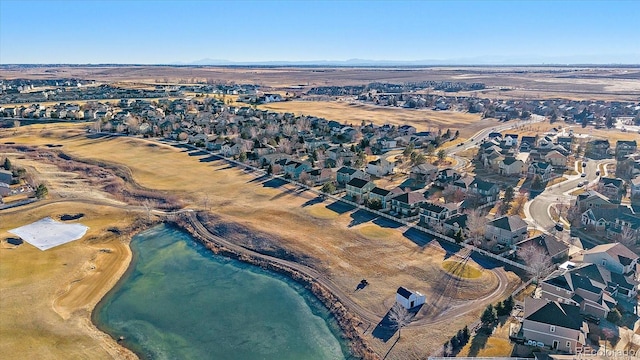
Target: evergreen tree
{"points": [[7, 164], [488, 317]]}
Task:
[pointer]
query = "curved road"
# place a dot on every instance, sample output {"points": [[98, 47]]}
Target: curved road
{"points": [[537, 210]]}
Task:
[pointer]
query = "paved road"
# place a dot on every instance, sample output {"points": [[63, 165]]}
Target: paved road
{"points": [[478, 137], [537, 210]]}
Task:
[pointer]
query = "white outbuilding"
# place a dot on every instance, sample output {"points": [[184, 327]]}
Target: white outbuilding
{"points": [[409, 299]]}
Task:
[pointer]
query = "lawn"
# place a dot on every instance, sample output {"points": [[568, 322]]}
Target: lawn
{"points": [[462, 269], [355, 113], [557, 180]]}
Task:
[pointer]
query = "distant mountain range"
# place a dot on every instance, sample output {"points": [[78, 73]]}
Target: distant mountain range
{"points": [[626, 59]]}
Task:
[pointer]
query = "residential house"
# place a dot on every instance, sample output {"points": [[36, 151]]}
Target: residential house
{"points": [[615, 257], [379, 167], [456, 223], [545, 170], [346, 174], [5, 189], [565, 141], [433, 214], [446, 177], [625, 148], [510, 140], [423, 173], [547, 244], [405, 130], [527, 143], [294, 168], [626, 227], [555, 325], [555, 158], [409, 299], [357, 189], [511, 166], [484, 192], [598, 149], [506, 230], [463, 184], [320, 176], [592, 199], [6, 176], [382, 195], [611, 188], [599, 219], [407, 204]]}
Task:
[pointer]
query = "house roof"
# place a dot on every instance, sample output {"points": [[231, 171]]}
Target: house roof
{"points": [[347, 170], [460, 219], [410, 198], [424, 169], [617, 182], [549, 243], [509, 160], [404, 292], [380, 191], [436, 208], [483, 185], [509, 223], [554, 154], [562, 315], [357, 183], [631, 143], [617, 251]]}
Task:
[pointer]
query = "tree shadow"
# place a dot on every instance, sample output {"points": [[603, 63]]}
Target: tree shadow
{"points": [[315, 200], [478, 342], [198, 153], [274, 183], [210, 158]]}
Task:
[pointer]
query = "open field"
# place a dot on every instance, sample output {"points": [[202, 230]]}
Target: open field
{"points": [[355, 113], [461, 269], [539, 128], [47, 296], [589, 83], [334, 244]]}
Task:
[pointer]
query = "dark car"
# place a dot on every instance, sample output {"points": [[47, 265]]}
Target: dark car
{"points": [[583, 175], [592, 318], [598, 173], [559, 226]]}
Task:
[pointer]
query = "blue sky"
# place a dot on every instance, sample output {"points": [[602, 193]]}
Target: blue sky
{"points": [[161, 32]]}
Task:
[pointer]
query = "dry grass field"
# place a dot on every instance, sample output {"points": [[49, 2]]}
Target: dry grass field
{"points": [[355, 113], [47, 296], [522, 82], [347, 245]]}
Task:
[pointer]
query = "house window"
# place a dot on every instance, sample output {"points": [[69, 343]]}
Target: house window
{"points": [[552, 328], [568, 344], [604, 262]]}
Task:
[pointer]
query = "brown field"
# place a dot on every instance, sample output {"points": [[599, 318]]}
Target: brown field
{"points": [[47, 296], [355, 113], [341, 244], [523, 82]]}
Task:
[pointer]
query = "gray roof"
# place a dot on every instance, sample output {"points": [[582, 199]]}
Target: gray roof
{"points": [[563, 315], [380, 191], [509, 223], [357, 182], [347, 170]]}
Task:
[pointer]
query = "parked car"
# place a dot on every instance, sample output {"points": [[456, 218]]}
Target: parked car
{"points": [[583, 175], [584, 164], [598, 173], [592, 318], [559, 226]]}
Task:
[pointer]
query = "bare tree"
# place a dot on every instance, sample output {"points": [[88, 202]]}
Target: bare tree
{"points": [[304, 178], [399, 317], [536, 258], [476, 225], [628, 237], [147, 204], [339, 162], [628, 338]]}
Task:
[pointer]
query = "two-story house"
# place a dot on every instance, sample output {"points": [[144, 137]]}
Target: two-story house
{"points": [[446, 177], [379, 167], [613, 188], [598, 149], [506, 230], [593, 199], [407, 204], [544, 169], [433, 214], [357, 189], [625, 148], [547, 244], [511, 166], [556, 159], [634, 187], [485, 191], [294, 168], [423, 173], [556, 325], [616, 257], [382, 195], [346, 174]]}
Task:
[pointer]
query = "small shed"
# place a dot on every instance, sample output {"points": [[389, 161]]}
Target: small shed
{"points": [[409, 299]]}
